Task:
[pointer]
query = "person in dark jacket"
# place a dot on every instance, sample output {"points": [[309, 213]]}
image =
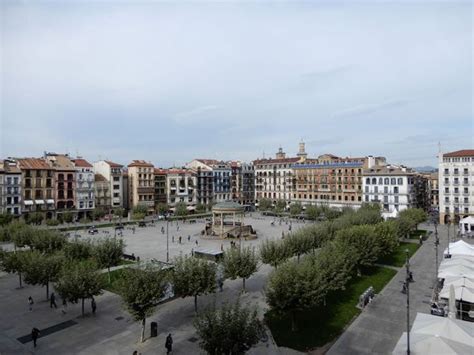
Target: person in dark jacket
{"points": [[52, 301], [169, 344], [34, 335]]}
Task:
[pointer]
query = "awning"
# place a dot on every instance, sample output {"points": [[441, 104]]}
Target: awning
{"points": [[50, 201], [39, 202], [190, 208], [28, 202]]}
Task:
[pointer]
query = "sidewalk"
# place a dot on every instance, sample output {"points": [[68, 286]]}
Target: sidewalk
{"points": [[380, 325]]}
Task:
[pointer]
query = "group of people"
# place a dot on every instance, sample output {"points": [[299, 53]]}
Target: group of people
{"points": [[409, 279]]}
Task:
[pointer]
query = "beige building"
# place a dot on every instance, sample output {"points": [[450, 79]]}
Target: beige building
{"points": [[141, 182], [102, 194], [181, 187]]}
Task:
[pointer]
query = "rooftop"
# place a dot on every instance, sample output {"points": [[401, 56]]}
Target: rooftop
{"points": [[33, 163], [140, 163], [99, 177], [113, 165], [276, 161], [81, 163], [460, 153]]}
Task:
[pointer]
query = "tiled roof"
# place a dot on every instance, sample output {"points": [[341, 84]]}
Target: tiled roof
{"points": [[460, 153], [140, 163], [276, 161], [159, 171], [208, 161], [113, 165], [33, 163], [82, 163], [99, 177]]}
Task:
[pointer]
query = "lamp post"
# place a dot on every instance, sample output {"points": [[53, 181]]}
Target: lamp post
{"points": [[436, 249], [407, 283], [449, 223], [167, 241]]}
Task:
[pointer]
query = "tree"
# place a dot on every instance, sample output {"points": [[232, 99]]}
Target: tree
{"points": [[200, 208], [139, 212], [141, 291], [296, 209], [108, 252], [5, 218], [79, 250], [67, 217], [416, 215], [240, 263], [193, 277], [119, 212], [47, 241], [98, 213], [280, 206], [79, 281], [299, 243], [273, 252], [13, 262], [232, 329], [52, 222], [21, 234], [387, 237], [181, 210], [161, 208], [264, 204], [41, 269], [312, 212], [35, 218]]}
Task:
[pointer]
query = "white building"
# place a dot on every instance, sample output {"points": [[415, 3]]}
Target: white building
{"points": [[85, 189], [181, 187], [391, 186], [456, 185], [220, 183], [113, 173]]}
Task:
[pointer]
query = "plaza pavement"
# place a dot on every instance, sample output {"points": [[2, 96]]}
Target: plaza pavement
{"points": [[111, 330], [377, 329]]}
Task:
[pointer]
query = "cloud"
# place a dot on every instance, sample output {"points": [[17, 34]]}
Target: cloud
{"points": [[368, 109]]}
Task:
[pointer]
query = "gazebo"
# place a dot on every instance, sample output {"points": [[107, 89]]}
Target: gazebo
{"points": [[466, 226], [221, 221]]}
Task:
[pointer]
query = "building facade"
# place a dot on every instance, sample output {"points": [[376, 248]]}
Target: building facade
{"points": [[214, 180], [65, 182], [85, 187], [434, 188], [10, 188], [113, 173], [456, 185], [243, 183], [141, 182], [103, 198], [161, 196], [181, 187], [38, 183]]}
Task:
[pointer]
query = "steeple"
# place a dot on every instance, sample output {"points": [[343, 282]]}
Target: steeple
{"points": [[281, 154], [301, 151]]}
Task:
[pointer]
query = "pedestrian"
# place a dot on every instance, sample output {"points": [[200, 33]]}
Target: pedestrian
{"points": [[172, 239], [30, 303], [192, 251], [189, 238], [410, 277], [169, 344], [162, 230], [404, 287], [289, 227], [52, 301], [138, 259], [93, 305], [179, 240], [220, 282], [133, 230], [177, 228], [64, 306], [421, 239], [197, 243], [34, 335]]}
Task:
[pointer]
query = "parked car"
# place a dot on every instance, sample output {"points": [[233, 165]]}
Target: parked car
{"points": [[142, 224]]}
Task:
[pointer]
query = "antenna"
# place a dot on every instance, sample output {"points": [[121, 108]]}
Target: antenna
{"points": [[439, 147]]}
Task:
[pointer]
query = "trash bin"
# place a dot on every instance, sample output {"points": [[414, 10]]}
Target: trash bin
{"points": [[154, 329]]}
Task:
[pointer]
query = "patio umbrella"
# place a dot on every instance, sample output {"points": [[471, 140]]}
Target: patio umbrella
{"points": [[452, 303], [424, 344]]}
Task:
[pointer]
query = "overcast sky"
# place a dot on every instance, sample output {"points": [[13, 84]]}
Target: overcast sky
{"points": [[169, 82]]}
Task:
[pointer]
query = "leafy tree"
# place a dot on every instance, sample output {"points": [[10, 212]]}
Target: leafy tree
{"points": [[273, 252], [299, 243], [79, 281], [67, 217], [139, 212], [416, 215], [98, 213], [35, 218], [108, 252], [387, 237], [79, 250], [52, 222], [232, 329], [280, 206], [21, 234], [5, 218], [161, 208], [47, 241], [119, 212], [404, 225], [296, 209], [200, 208], [13, 262], [240, 263], [312, 212], [181, 210], [265, 204], [41, 269], [141, 291], [193, 277]]}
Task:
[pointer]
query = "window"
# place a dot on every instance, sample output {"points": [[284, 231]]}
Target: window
{"points": [[446, 190], [385, 189], [367, 181], [374, 181], [395, 190], [446, 199], [396, 199], [380, 181], [367, 189], [400, 181], [376, 189], [393, 181]]}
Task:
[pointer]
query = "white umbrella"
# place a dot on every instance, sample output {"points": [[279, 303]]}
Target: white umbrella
{"points": [[455, 270], [426, 344], [452, 303], [461, 293], [458, 281], [459, 260]]}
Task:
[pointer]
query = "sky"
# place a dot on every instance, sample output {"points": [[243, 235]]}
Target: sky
{"points": [[168, 82]]}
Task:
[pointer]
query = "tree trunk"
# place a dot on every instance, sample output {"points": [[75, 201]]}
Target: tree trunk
{"points": [[195, 303], [19, 277], [293, 321], [243, 285], [108, 273], [47, 290], [83, 307], [142, 337]]}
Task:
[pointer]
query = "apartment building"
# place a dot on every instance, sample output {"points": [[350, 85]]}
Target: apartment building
{"points": [[456, 185], [141, 182], [181, 187], [65, 181], [213, 180], [113, 173], [10, 188], [160, 186], [38, 184], [395, 188], [331, 180], [434, 191], [274, 177], [102, 195], [85, 187], [243, 183]]}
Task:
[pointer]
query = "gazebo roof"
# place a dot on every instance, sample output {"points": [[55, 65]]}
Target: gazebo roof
{"points": [[227, 206]]}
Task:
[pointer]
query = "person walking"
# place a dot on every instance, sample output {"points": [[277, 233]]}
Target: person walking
{"points": [[421, 239], [30, 303], [64, 306], [189, 238], [93, 305], [179, 240], [197, 243], [34, 335], [169, 344], [52, 301]]}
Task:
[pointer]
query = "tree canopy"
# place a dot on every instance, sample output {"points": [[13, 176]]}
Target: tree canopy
{"points": [[41, 269], [241, 263], [108, 252]]}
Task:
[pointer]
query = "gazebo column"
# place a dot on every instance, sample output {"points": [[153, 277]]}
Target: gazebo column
{"points": [[222, 223]]}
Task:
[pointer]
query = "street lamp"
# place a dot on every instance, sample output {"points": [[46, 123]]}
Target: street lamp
{"points": [[407, 283], [449, 224], [167, 241], [436, 249]]}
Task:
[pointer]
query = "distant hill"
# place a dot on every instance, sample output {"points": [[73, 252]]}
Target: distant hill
{"points": [[425, 169]]}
